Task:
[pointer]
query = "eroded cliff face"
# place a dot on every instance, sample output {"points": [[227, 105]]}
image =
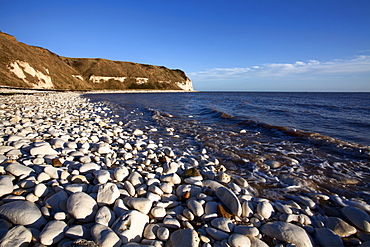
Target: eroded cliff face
{"points": [[27, 66]]}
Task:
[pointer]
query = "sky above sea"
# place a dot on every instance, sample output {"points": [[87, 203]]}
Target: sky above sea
{"points": [[237, 45]]}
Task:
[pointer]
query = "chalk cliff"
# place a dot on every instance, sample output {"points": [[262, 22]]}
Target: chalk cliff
{"points": [[28, 66]]}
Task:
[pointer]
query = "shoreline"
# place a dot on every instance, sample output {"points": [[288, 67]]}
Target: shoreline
{"points": [[59, 150], [7, 90], [138, 91]]}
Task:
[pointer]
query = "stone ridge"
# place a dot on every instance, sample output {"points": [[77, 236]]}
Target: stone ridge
{"points": [[26, 66]]}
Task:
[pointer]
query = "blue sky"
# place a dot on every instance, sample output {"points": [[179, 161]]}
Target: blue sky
{"points": [[238, 45]]}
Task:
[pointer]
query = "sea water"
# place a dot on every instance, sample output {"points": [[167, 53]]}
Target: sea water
{"points": [[322, 139]]}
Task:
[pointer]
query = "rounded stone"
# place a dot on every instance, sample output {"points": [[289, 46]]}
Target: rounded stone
{"points": [[141, 204], [40, 190], [196, 207], [255, 242], [185, 238], [170, 167], [43, 149], [150, 231], [104, 236], [223, 224], [22, 213], [53, 232], [247, 230], [182, 189], [171, 177], [120, 173], [89, 167], [130, 188], [107, 194], [217, 234], [135, 178], [340, 227], [57, 143], [53, 172], [105, 216], [6, 185], [265, 209], [163, 233], [170, 222], [102, 176], [247, 209], [287, 232], [43, 176], [17, 236], [130, 226], [239, 240], [82, 207], [137, 132], [60, 216], [57, 202], [158, 212], [327, 237], [18, 169], [73, 188], [358, 217], [229, 199], [77, 232]]}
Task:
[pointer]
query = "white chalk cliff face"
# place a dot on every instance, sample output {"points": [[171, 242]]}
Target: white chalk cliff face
{"points": [[186, 86], [19, 68], [26, 66], [100, 79]]}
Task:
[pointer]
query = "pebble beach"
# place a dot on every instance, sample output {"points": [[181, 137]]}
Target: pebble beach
{"points": [[72, 174]]}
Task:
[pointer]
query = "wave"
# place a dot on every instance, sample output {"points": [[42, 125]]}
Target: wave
{"points": [[338, 145], [214, 113]]}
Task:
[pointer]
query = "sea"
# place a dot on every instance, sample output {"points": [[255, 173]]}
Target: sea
{"points": [[281, 142]]}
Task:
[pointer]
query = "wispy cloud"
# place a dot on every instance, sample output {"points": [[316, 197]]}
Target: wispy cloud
{"points": [[359, 64]]}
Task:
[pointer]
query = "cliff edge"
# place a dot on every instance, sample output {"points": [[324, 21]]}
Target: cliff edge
{"points": [[26, 66]]}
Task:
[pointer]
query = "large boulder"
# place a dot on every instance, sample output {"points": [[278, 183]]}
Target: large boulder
{"points": [[358, 217], [17, 236], [287, 232], [185, 238], [22, 213], [82, 207], [130, 226]]}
